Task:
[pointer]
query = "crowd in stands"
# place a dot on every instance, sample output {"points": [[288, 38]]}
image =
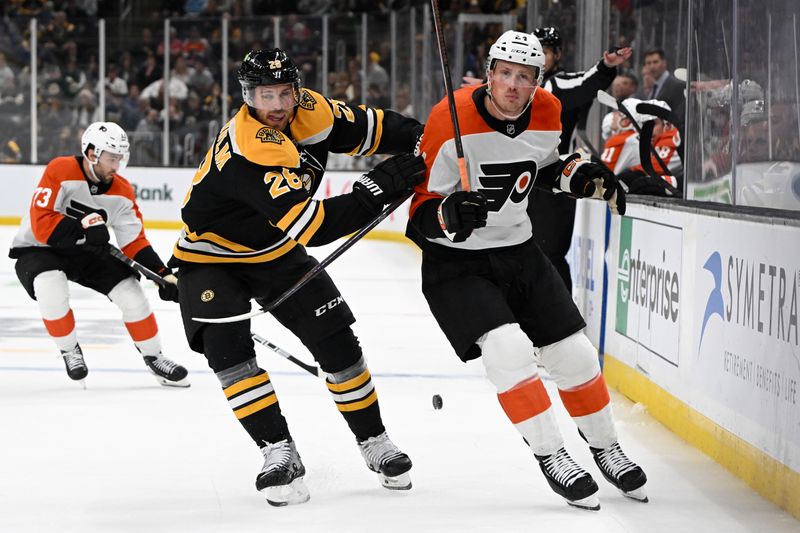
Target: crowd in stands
{"points": [[68, 70]]}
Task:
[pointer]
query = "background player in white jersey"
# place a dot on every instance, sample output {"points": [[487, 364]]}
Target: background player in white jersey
{"points": [[65, 236], [490, 287]]}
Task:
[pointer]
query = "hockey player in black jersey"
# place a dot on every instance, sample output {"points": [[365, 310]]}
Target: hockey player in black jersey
{"points": [[488, 284], [248, 217]]}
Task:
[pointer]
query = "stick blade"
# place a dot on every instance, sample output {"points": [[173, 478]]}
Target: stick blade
{"points": [[607, 100], [229, 319]]}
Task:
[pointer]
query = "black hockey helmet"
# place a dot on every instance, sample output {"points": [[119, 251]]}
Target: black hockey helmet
{"points": [[268, 67], [549, 36]]}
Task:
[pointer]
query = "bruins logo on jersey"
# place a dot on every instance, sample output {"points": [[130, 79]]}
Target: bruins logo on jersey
{"points": [[269, 135], [307, 101]]}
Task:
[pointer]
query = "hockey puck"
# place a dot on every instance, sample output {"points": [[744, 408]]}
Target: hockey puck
{"points": [[437, 402]]}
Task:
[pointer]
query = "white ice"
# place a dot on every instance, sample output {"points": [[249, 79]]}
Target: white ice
{"points": [[127, 455]]}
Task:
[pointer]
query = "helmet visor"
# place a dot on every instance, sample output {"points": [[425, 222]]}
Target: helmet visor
{"points": [[277, 97]]}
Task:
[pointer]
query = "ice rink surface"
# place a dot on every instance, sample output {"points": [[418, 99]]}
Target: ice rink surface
{"points": [[129, 455]]}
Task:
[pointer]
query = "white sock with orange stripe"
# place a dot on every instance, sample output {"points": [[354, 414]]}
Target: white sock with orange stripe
{"points": [[573, 365], [139, 319], [52, 295], [508, 359]]}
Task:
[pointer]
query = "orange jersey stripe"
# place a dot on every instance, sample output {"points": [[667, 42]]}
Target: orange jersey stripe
{"points": [[525, 400], [44, 217], [586, 399], [60, 327], [545, 116], [143, 329]]}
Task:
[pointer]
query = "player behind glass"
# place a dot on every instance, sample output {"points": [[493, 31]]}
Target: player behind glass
{"points": [[248, 217], [488, 284], [64, 237]]}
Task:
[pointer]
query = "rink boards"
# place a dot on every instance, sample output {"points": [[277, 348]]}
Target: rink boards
{"points": [[696, 316]]}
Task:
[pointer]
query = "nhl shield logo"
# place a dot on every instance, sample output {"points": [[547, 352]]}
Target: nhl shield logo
{"points": [[510, 129]]}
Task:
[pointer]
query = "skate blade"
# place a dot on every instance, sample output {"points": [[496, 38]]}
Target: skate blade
{"points": [[291, 494], [184, 383], [590, 503], [401, 482], [639, 495], [82, 383]]}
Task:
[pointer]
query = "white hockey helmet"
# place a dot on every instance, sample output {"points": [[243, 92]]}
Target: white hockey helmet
{"points": [[106, 137], [518, 47], [630, 104], [607, 127]]}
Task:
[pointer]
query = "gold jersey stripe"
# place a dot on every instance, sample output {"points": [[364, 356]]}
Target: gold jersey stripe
{"points": [[314, 226], [216, 239], [292, 215], [256, 406], [350, 383], [366, 402], [245, 384], [202, 258], [378, 131]]}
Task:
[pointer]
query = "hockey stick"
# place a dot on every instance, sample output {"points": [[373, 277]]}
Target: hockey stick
{"points": [[311, 369], [451, 101], [152, 276], [138, 267], [311, 274], [608, 100]]}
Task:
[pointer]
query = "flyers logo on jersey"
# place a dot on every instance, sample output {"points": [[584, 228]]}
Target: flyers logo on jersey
{"points": [[501, 182], [269, 135], [307, 101]]}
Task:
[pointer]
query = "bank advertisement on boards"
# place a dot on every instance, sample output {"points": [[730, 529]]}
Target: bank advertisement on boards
{"points": [[649, 294], [585, 258], [746, 346]]}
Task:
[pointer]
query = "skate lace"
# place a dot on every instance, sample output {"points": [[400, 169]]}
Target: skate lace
{"points": [[614, 461], [562, 467], [379, 450], [277, 455], [74, 359], [164, 365]]}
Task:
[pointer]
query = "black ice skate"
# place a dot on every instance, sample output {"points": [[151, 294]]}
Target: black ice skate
{"points": [[167, 372], [76, 366], [569, 480], [391, 465], [621, 472], [281, 477]]}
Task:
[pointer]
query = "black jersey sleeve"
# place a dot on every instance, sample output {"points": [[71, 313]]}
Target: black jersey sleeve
{"points": [[576, 89], [279, 194], [366, 131]]}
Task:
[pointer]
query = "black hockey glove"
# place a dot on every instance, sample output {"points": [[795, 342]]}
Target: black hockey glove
{"points": [[585, 179], [638, 182], [169, 291], [96, 233], [462, 212], [389, 180]]}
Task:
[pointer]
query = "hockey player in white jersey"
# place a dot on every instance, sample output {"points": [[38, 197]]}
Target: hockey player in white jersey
{"points": [[488, 284], [65, 236]]}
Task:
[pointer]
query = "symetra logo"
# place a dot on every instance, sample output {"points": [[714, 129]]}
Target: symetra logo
{"points": [[753, 295], [714, 305]]}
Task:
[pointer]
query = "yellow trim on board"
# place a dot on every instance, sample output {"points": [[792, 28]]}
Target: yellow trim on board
{"points": [[767, 476]]}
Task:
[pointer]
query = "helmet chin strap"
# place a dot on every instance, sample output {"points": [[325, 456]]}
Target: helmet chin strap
{"points": [[92, 175]]}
